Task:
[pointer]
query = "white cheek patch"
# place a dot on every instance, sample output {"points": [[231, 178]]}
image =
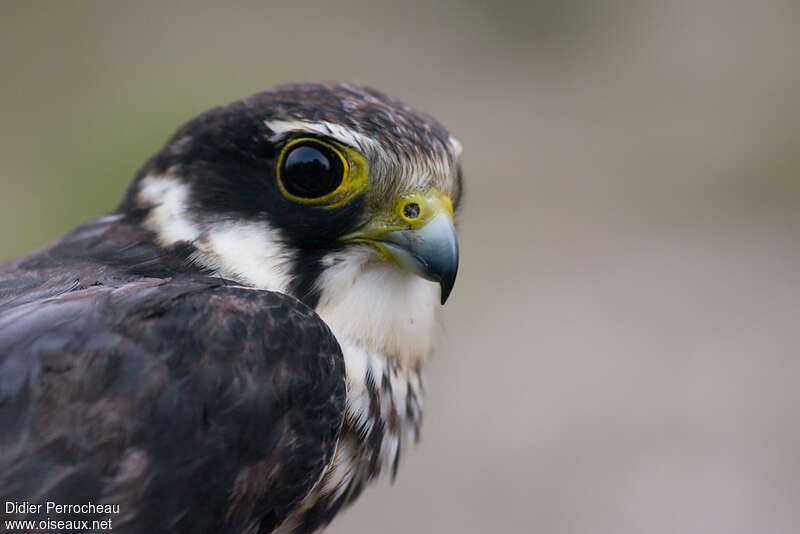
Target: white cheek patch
{"points": [[251, 253], [167, 198]]}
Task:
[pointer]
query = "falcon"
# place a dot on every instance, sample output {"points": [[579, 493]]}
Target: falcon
{"points": [[238, 347]]}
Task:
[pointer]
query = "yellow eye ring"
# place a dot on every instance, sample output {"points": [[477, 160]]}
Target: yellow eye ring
{"points": [[308, 172]]}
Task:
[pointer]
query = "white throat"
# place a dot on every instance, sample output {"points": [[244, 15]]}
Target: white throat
{"points": [[378, 306]]}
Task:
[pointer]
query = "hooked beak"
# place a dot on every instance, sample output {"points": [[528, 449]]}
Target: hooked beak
{"points": [[419, 236], [430, 251]]}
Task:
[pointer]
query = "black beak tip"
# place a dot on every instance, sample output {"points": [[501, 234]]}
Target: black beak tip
{"points": [[446, 286], [448, 269]]}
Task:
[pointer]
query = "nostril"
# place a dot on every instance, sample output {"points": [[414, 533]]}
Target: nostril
{"points": [[411, 210]]}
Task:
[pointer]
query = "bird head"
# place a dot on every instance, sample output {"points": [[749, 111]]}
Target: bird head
{"points": [[334, 193]]}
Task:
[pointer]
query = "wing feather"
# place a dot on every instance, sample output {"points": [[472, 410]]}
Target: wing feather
{"points": [[194, 406]]}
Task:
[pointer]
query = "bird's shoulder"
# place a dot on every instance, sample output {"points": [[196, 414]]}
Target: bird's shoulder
{"points": [[112, 250], [158, 393]]}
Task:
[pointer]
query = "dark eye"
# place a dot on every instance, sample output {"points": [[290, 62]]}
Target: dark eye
{"points": [[310, 169]]}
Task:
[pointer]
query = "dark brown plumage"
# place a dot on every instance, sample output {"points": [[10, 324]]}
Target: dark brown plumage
{"points": [[159, 393]]}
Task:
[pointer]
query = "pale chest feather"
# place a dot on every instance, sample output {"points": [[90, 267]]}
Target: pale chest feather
{"points": [[382, 419]]}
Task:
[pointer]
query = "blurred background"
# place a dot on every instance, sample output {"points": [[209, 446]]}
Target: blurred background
{"points": [[620, 353]]}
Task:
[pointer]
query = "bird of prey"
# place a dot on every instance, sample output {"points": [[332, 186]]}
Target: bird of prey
{"points": [[238, 347]]}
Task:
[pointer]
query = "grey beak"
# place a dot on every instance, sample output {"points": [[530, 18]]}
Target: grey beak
{"points": [[430, 251]]}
